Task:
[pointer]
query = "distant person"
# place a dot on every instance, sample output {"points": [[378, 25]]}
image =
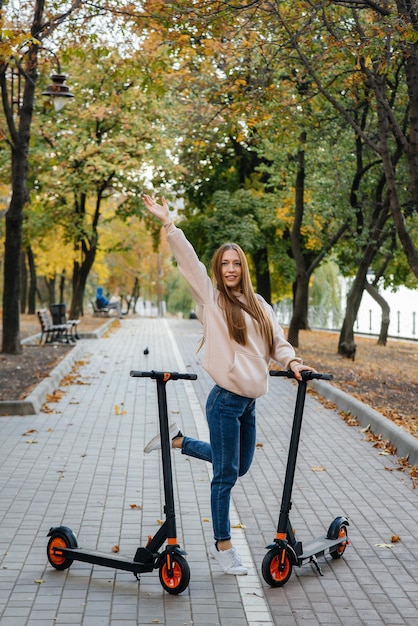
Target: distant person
{"points": [[104, 303], [241, 334]]}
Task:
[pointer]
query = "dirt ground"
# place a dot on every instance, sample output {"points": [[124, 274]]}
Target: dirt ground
{"points": [[19, 374], [384, 377]]}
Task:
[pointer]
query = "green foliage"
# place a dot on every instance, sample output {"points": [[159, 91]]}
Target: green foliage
{"points": [[325, 293], [211, 102], [178, 296]]}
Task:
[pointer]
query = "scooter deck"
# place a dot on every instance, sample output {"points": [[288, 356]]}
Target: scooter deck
{"points": [[106, 560], [320, 546]]}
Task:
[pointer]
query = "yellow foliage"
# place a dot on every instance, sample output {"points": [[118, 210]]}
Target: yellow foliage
{"points": [[52, 256]]}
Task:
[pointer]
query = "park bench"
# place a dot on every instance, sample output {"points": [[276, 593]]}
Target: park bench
{"points": [[99, 312], [53, 332], [59, 316]]}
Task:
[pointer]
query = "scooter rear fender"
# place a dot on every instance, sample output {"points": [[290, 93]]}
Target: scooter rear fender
{"points": [[336, 525]]}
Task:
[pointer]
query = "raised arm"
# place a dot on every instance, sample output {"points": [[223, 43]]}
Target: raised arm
{"points": [[161, 211], [188, 262]]}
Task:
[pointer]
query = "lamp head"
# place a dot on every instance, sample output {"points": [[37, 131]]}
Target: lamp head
{"points": [[58, 91]]}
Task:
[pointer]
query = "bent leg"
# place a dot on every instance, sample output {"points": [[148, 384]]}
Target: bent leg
{"points": [[197, 449]]}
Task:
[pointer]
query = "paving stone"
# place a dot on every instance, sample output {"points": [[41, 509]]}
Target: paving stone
{"points": [[87, 469]]}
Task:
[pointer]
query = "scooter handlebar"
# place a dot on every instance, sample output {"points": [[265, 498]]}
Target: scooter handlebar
{"points": [[162, 375], [306, 374]]}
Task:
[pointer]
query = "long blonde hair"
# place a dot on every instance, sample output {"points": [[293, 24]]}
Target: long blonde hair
{"points": [[233, 307]]}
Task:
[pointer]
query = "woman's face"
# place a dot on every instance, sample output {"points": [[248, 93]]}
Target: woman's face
{"points": [[231, 269]]}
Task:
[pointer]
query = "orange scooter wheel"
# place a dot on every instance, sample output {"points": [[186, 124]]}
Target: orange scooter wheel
{"points": [[176, 580], [59, 539], [272, 573]]}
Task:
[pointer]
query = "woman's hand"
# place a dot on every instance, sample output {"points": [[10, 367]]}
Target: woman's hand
{"points": [[297, 368], [160, 211]]}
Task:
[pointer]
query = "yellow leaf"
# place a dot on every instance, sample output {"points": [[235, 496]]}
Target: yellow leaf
{"points": [[239, 525]]}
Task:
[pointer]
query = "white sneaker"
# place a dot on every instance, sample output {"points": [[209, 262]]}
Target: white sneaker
{"points": [[229, 560], [155, 443]]}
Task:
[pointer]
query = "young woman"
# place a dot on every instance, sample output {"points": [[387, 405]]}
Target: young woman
{"points": [[241, 335]]}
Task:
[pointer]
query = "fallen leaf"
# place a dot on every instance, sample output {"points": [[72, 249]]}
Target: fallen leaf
{"points": [[318, 468], [55, 396], [395, 538], [115, 548], [239, 525], [39, 581], [135, 506], [383, 545], [46, 409], [206, 519], [259, 444], [29, 432]]}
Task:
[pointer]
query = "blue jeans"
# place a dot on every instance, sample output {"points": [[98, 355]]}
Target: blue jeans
{"points": [[231, 421]]}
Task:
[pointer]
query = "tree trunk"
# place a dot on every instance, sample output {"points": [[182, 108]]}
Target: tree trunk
{"points": [[262, 274], [62, 286], [299, 319], [32, 282], [346, 344], [12, 252], [23, 282], [19, 142], [80, 275], [384, 326], [50, 285]]}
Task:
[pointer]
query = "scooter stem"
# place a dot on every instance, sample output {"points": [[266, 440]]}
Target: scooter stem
{"points": [[171, 531], [286, 503]]}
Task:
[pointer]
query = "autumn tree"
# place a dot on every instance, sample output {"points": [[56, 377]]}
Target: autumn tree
{"points": [[334, 50], [98, 153], [25, 32]]}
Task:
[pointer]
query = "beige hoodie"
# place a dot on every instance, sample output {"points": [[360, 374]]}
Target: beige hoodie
{"points": [[240, 369]]}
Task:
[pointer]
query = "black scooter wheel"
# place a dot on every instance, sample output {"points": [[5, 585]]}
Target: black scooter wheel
{"points": [[62, 537], [340, 549], [180, 578], [270, 569]]}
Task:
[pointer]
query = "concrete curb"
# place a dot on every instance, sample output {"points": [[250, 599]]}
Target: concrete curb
{"points": [[406, 444], [33, 403]]}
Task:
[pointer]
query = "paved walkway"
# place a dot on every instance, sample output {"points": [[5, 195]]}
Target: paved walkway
{"points": [[82, 465]]}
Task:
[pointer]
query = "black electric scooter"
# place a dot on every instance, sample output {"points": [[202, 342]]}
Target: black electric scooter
{"points": [[173, 568], [286, 551]]}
